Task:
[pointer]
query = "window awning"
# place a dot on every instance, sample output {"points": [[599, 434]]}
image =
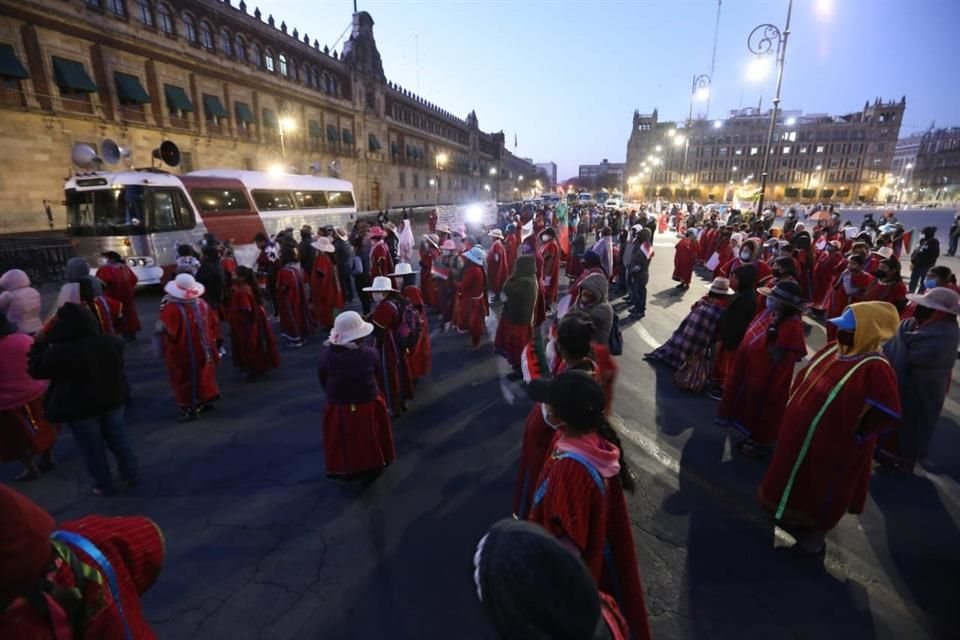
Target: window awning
{"points": [[177, 98], [395, 148], [372, 143], [270, 119], [347, 136], [129, 88], [10, 66], [70, 74], [332, 134], [243, 113], [213, 107], [316, 131]]}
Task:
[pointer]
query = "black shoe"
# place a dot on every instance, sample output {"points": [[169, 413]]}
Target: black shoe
{"points": [[187, 414]]}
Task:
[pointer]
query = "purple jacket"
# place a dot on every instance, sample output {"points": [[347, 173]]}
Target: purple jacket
{"points": [[349, 376]]}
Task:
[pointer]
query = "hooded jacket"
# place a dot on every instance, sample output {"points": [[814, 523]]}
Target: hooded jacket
{"points": [[600, 312], [77, 269], [20, 301], [877, 322], [85, 367], [521, 291]]}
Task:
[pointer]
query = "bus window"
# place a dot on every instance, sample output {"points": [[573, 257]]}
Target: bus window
{"points": [[311, 200], [220, 200], [273, 200], [106, 212], [170, 211], [340, 198]]}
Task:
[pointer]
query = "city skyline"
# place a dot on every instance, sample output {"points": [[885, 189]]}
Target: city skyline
{"points": [[563, 78]]}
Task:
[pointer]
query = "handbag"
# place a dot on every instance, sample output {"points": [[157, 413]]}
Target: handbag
{"points": [[692, 374], [616, 337]]}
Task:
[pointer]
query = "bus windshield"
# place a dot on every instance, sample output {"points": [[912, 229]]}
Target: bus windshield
{"points": [[106, 212]]}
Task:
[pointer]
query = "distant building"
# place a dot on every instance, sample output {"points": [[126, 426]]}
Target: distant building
{"points": [[607, 175], [936, 172], [844, 158], [550, 169], [904, 162]]}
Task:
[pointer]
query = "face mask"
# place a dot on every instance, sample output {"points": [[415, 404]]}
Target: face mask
{"points": [[101, 261], [845, 340], [544, 238], [930, 283], [922, 313], [745, 256], [378, 297], [772, 304]]}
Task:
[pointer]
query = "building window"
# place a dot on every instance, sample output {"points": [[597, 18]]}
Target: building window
{"points": [[189, 28], [95, 4], [820, 148], [165, 16], [240, 48], [284, 68], [206, 35], [307, 75], [226, 43], [256, 55], [145, 12], [116, 7], [268, 61], [403, 179], [786, 151], [754, 151], [293, 69], [416, 181]]}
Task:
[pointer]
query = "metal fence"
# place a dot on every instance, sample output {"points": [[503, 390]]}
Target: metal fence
{"points": [[42, 257]]}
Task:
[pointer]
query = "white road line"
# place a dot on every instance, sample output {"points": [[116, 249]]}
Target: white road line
{"points": [[640, 330]]}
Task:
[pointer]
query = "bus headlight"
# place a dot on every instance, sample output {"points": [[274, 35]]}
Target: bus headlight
{"points": [[132, 262]]}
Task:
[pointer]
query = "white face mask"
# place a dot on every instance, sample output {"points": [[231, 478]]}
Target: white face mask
{"points": [[772, 304], [745, 256], [544, 238], [546, 416], [378, 297], [101, 261]]}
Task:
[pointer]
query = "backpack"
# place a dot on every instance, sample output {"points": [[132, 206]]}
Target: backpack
{"points": [[408, 332], [616, 337]]}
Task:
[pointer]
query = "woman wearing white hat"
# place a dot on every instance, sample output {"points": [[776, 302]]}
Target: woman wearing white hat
{"points": [[429, 253], [357, 435], [497, 263], [472, 306], [325, 291], [393, 370], [186, 326], [405, 274], [922, 354]]}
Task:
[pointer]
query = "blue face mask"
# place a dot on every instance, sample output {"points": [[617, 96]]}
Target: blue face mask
{"points": [[930, 283], [772, 304]]}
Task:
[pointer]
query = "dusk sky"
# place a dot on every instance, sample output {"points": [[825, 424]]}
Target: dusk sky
{"points": [[567, 76]]}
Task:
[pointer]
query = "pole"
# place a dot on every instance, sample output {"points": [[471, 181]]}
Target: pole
{"points": [[283, 148], [686, 144], [781, 54], [713, 59]]}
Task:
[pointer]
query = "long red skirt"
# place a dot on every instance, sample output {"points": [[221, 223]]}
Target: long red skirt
{"points": [[24, 430], [511, 339], [357, 437], [722, 363], [420, 356], [470, 314], [537, 437]]}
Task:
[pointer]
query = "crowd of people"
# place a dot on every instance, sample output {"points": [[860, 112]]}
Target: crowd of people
{"points": [[545, 276]]}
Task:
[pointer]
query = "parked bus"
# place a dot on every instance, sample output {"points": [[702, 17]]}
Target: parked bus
{"points": [[144, 215]]}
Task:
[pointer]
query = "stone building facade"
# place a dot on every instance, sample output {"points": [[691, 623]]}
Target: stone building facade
{"points": [[232, 89], [814, 157], [936, 172]]}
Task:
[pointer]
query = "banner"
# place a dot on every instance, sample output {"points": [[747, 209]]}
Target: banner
{"points": [[479, 213]]}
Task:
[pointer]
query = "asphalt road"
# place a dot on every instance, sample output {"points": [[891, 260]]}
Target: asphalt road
{"points": [[261, 544]]}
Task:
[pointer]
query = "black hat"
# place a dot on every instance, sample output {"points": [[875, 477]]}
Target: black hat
{"points": [[112, 255], [786, 292], [574, 396], [533, 587]]}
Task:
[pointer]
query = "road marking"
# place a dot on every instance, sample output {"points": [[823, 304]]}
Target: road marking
{"points": [[645, 335], [665, 245]]}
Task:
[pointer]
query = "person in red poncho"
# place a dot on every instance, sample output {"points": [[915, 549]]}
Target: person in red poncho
{"points": [[472, 305], [839, 404], [186, 328], [419, 356], [357, 435], [429, 253], [254, 347], [393, 368], [888, 285], [580, 493], [325, 291], [497, 263], [381, 260], [549, 252], [81, 580], [684, 258], [848, 288], [296, 322], [749, 253], [756, 389], [824, 271], [120, 283], [511, 245]]}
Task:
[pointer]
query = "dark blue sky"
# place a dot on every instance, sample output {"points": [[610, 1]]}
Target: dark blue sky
{"points": [[567, 76]]}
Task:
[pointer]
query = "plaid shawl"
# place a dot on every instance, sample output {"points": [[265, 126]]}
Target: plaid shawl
{"points": [[695, 335]]}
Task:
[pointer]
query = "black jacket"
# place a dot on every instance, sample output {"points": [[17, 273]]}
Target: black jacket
{"points": [[211, 276], [85, 367], [926, 253]]}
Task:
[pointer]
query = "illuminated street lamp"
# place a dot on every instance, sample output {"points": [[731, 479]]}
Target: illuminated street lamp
{"points": [[658, 148], [717, 124], [764, 40], [440, 161], [285, 123], [493, 171]]}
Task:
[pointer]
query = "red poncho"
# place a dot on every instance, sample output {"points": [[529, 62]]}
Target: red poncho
{"points": [[497, 266], [381, 263], [550, 256], [254, 347], [325, 291], [120, 283], [419, 356], [189, 351], [472, 305], [393, 371], [684, 260], [295, 321]]}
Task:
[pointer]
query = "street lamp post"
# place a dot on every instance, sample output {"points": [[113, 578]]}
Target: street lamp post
{"points": [[439, 161], [286, 123], [762, 41], [699, 90], [496, 191]]}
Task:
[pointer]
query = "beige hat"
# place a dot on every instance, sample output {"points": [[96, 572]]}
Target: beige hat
{"points": [[496, 233], [884, 252], [341, 233], [389, 226], [939, 298], [722, 286], [184, 287], [403, 269], [381, 284], [443, 228], [324, 244], [349, 327], [433, 239]]}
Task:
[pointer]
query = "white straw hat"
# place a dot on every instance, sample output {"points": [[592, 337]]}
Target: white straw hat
{"points": [[496, 233], [348, 327], [381, 284], [939, 298], [721, 286], [184, 287], [325, 245], [403, 269]]}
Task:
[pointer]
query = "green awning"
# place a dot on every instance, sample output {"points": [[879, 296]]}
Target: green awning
{"points": [[130, 89], [347, 136], [332, 134], [270, 119], [395, 148], [314, 129], [213, 107], [243, 113], [372, 143], [10, 66], [177, 98], [70, 74]]}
